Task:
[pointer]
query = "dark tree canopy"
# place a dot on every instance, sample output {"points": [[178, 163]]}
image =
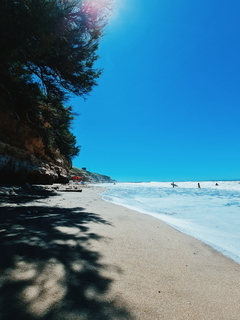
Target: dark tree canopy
{"points": [[47, 51]]}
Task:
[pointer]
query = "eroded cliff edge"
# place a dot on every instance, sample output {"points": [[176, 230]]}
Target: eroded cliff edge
{"points": [[25, 158], [20, 166]]}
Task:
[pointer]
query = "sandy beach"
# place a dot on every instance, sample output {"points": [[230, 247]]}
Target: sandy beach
{"points": [[73, 256]]}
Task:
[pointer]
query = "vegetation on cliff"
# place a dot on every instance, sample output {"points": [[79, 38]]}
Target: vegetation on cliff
{"points": [[47, 52]]}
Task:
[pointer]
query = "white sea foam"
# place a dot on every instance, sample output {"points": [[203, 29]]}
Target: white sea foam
{"points": [[210, 214]]}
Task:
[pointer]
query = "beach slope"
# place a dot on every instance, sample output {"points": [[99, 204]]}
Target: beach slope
{"points": [[71, 256]]}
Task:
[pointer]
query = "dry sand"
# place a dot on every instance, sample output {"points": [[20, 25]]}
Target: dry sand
{"points": [[73, 256]]}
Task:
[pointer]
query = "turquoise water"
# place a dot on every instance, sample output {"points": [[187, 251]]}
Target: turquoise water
{"points": [[210, 213]]}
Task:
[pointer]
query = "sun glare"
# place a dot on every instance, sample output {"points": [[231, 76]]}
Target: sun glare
{"points": [[98, 7], [94, 7]]}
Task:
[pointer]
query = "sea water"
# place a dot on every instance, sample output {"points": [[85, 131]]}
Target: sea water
{"points": [[210, 213]]}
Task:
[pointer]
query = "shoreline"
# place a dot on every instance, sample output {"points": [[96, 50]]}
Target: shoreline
{"points": [[155, 216], [211, 232], [77, 256]]}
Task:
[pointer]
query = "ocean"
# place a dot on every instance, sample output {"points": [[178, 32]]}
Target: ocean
{"points": [[210, 213]]}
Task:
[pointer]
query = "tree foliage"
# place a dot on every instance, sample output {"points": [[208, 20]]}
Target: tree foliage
{"points": [[47, 51]]}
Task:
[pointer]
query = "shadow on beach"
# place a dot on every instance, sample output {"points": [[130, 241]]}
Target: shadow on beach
{"points": [[48, 269]]}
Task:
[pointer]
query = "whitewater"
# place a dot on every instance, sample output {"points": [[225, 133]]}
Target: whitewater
{"points": [[210, 213]]}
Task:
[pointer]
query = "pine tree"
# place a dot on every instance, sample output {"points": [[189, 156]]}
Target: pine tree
{"points": [[47, 52]]}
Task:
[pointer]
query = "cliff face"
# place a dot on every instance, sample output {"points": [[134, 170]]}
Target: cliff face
{"points": [[20, 166], [23, 155], [91, 177]]}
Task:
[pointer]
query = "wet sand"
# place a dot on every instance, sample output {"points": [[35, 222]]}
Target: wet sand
{"points": [[72, 256]]}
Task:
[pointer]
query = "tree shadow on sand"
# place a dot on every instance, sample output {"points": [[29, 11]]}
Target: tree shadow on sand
{"points": [[48, 269]]}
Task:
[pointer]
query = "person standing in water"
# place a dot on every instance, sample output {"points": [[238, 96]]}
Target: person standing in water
{"points": [[198, 185]]}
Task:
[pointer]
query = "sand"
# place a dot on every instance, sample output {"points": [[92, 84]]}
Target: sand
{"points": [[72, 256]]}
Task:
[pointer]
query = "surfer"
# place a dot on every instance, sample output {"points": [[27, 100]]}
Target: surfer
{"points": [[198, 185]]}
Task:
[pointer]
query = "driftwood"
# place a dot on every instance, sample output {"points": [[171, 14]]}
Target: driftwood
{"points": [[70, 190]]}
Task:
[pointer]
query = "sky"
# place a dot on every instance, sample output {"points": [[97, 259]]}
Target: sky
{"points": [[167, 106]]}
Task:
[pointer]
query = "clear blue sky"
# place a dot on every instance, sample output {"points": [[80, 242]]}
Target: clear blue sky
{"points": [[167, 107]]}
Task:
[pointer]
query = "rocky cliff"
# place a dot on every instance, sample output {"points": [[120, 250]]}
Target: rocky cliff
{"points": [[24, 158], [91, 177], [19, 166]]}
